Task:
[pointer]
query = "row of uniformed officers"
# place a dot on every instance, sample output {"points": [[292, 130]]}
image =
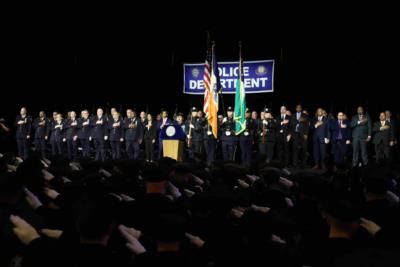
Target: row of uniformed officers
{"points": [[286, 133]]}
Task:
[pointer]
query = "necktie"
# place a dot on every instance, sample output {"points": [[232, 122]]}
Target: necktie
{"points": [[340, 137]]}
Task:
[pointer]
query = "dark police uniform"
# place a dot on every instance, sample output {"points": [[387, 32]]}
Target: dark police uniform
{"points": [[266, 134], [194, 130], [228, 138], [210, 143], [246, 140]]}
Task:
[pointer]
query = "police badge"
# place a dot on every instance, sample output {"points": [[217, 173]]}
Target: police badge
{"points": [[261, 70], [195, 72]]}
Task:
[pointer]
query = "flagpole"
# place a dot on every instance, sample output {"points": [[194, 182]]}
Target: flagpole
{"points": [[240, 98], [220, 90]]}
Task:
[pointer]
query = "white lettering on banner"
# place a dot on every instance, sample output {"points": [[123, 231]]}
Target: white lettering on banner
{"points": [[258, 76], [231, 83], [246, 71], [264, 81], [232, 71], [251, 83], [196, 84], [228, 83]]}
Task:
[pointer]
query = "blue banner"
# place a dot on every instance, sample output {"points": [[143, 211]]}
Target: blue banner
{"points": [[258, 77]]}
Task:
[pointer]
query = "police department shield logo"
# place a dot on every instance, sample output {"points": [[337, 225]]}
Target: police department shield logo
{"points": [[170, 131], [261, 70], [195, 72]]}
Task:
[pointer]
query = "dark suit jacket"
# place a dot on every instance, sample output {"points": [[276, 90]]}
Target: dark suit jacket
{"points": [[280, 128], [117, 132], [197, 131], [57, 134], [71, 129], [394, 128], [41, 130], [322, 131], [269, 130], [159, 123], [384, 136], [133, 134], [24, 129], [99, 130], [84, 130], [303, 124], [363, 129], [151, 132], [335, 129]]}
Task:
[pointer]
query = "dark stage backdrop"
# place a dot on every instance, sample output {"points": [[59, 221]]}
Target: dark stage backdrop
{"points": [[147, 73]]}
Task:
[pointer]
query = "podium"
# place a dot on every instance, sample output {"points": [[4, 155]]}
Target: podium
{"points": [[173, 141]]}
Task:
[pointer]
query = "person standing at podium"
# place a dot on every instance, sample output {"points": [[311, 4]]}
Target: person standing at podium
{"points": [[179, 121], [164, 121]]}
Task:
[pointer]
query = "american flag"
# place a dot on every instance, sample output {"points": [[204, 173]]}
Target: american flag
{"points": [[207, 81]]}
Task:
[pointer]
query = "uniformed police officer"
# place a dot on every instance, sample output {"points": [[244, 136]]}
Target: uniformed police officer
{"points": [[209, 142], [228, 137], [246, 139], [194, 131], [162, 121], [267, 135]]}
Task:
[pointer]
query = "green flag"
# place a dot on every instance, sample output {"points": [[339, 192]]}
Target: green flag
{"points": [[240, 99]]}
